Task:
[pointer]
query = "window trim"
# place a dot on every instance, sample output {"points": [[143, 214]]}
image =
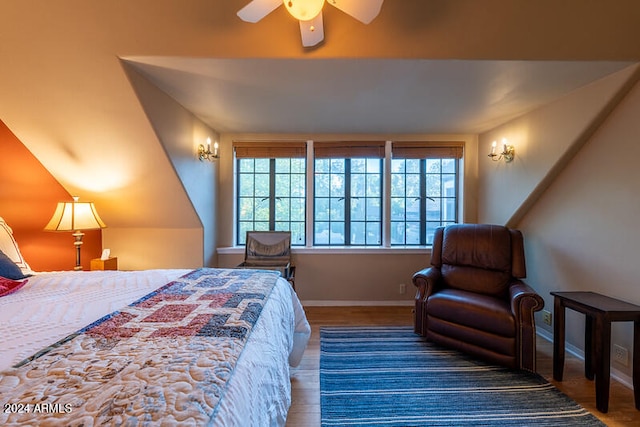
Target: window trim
{"points": [[454, 146]]}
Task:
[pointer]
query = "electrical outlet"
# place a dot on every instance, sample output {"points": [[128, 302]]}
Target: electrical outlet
{"points": [[402, 288], [546, 317], [620, 355]]}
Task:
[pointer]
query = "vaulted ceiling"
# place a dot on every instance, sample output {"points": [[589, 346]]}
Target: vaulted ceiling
{"points": [[420, 66]]}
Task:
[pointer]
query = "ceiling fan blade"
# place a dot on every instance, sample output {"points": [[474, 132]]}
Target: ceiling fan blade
{"points": [[363, 10], [258, 9], [312, 31]]}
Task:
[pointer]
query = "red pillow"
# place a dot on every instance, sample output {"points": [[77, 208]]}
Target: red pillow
{"points": [[8, 286]]}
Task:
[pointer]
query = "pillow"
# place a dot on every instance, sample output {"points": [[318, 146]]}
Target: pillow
{"points": [[9, 269], [9, 286], [9, 246]]}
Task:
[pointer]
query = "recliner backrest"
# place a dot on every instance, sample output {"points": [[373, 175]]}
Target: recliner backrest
{"points": [[480, 258]]}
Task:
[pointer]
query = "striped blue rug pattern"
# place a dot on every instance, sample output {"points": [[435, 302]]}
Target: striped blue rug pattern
{"points": [[389, 376]]}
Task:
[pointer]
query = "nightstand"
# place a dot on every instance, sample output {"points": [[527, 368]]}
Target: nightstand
{"points": [[104, 264]]}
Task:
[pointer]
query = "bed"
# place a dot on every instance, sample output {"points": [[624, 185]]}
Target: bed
{"points": [[149, 348]]}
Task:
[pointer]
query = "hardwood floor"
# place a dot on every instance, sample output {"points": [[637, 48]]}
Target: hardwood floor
{"points": [[305, 408]]}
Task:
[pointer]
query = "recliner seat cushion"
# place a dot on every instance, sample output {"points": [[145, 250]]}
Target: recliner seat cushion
{"points": [[480, 312]]}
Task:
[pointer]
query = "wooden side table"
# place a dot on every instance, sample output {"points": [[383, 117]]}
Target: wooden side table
{"points": [[600, 311]]}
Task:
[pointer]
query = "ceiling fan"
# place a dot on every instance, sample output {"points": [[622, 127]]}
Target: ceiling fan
{"points": [[309, 13]]}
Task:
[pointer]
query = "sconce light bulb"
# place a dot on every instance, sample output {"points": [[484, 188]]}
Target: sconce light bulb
{"points": [[493, 147]]}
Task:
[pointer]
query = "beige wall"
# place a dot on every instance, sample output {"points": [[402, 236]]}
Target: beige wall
{"points": [[191, 243], [360, 276], [581, 228], [147, 248]]}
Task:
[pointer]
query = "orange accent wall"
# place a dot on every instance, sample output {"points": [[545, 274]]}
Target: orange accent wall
{"points": [[28, 198]]}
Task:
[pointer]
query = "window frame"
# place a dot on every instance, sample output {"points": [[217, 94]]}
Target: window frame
{"points": [[390, 149]]}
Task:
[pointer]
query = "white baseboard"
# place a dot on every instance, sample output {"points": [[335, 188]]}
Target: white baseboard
{"points": [[621, 377], [349, 303]]}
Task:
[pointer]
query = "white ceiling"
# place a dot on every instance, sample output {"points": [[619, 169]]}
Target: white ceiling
{"points": [[364, 95]]}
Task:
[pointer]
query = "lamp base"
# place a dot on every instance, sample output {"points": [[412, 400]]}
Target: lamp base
{"points": [[78, 244]]}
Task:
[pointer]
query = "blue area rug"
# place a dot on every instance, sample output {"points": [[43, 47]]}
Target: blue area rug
{"points": [[393, 377]]}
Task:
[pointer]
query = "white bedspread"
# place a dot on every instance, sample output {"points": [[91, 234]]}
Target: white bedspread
{"points": [[53, 305]]}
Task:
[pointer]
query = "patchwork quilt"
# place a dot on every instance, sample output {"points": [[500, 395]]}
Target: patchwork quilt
{"points": [[163, 360]]}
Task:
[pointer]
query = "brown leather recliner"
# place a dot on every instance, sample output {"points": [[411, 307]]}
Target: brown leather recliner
{"points": [[472, 298]]}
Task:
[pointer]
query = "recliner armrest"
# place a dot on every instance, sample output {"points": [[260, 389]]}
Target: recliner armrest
{"points": [[427, 281], [524, 301]]}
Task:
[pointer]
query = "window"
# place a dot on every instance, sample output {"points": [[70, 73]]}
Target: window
{"points": [[350, 191], [271, 189], [423, 197], [424, 190], [348, 202]]}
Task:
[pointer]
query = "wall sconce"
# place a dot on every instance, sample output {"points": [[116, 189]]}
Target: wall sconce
{"points": [[206, 153], [507, 152]]}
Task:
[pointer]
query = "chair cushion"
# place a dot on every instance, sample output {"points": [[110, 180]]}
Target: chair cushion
{"points": [[472, 279], [477, 258], [481, 312]]}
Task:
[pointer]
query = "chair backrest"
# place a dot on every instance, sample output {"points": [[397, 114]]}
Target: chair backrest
{"points": [[481, 258], [268, 248]]}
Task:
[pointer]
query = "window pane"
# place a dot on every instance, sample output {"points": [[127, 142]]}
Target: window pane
{"points": [[322, 165], [283, 185], [245, 208], [374, 230], [336, 187], [297, 209], [245, 165], [322, 185], [336, 236], [413, 166], [270, 196], [261, 185], [397, 209], [427, 199], [336, 211], [358, 185], [298, 185], [283, 212], [283, 166], [449, 165], [358, 165], [321, 234], [397, 233], [412, 233], [397, 185], [245, 185], [297, 233], [374, 185], [337, 165], [298, 166], [358, 209], [413, 209], [374, 210], [358, 233], [322, 209], [262, 165]]}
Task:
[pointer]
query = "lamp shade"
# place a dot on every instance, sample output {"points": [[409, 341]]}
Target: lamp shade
{"points": [[71, 216]]}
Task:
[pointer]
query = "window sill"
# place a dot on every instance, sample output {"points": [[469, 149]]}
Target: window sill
{"points": [[332, 250]]}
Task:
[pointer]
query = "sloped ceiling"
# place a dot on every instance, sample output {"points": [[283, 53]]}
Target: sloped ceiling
{"points": [[422, 65], [383, 96]]}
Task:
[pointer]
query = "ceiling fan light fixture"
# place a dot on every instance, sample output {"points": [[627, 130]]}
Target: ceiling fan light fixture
{"points": [[304, 10]]}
